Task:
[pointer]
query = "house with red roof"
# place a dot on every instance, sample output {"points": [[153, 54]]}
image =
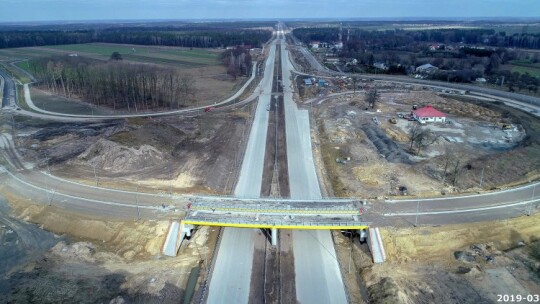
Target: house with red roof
{"points": [[428, 114]]}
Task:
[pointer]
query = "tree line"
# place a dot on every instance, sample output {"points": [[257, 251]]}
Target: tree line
{"points": [[238, 61], [360, 39], [211, 38], [114, 84]]}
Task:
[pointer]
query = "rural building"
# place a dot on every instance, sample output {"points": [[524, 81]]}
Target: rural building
{"points": [[380, 65], [351, 61], [436, 46], [480, 80], [428, 114], [426, 68], [332, 60], [307, 81]]}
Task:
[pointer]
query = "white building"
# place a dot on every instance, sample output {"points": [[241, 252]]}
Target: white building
{"points": [[426, 68], [428, 114]]}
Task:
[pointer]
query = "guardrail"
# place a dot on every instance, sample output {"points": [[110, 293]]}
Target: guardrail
{"points": [[275, 208]]}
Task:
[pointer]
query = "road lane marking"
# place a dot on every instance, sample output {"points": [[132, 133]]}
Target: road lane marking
{"points": [[463, 196], [88, 199], [463, 210]]}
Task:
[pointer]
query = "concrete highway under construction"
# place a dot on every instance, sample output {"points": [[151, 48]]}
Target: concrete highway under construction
{"points": [[277, 199]]}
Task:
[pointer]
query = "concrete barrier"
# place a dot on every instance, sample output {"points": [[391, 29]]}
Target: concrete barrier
{"points": [[172, 242], [376, 245]]}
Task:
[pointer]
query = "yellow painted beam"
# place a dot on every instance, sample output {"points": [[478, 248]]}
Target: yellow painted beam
{"points": [[278, 226]]}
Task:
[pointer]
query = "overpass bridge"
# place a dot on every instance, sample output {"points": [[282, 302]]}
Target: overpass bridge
{"points": [[274, 214]]}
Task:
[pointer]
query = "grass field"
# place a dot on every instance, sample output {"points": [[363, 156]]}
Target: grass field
{"points": [[511, 29], [526, 66], [526, 63], [170, 56], [522, 70], [60, 104], [159, 55], [15, 72]]}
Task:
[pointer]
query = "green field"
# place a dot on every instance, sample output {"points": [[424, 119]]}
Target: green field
{"points": [[170, 56], [159, 55], [511, 29], [24, 53], [531, 70], [526, 63], [15, 72]]}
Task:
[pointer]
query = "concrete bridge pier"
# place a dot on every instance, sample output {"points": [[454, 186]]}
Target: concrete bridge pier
{"points": [[185, 229], [274, 236]]}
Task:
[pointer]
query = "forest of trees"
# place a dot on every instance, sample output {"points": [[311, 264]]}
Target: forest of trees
{"points": [[400, 39], [238, 61], [187, 37], [114, 84]]}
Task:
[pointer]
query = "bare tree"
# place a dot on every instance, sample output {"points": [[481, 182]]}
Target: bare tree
{"points": [[414, 134], [115, 84], [452, 165], [425, 139], [420, 137], [354, 81], [372, 96]]}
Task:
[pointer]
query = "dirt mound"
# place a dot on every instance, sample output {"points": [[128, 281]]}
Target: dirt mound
{"points": [[386, 291], [75, 252], [113, 157]]}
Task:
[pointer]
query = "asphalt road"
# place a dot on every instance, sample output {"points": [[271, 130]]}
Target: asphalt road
{"points": [[231, 276], [318, 276], [406, 79], [8, 98], [44, 114], [250, 179], [39, 187]]}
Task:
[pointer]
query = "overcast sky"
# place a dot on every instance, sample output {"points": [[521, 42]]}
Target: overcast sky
{"points": [[47, 10]]}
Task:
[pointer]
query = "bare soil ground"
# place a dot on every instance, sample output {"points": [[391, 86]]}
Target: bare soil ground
{"points": [[456, 264], [197, 154], [96, 260], [365, 155]]}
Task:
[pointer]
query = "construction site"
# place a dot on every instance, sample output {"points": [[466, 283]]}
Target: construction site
{"points": [[294, 180]]}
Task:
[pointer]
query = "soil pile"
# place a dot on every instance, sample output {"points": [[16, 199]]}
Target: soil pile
{"points": [[114, 157]]}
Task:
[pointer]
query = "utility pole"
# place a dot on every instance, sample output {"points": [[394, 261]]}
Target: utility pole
{"points": [[482, 176], [137, 201], [417, 210], [530, 203], [95, 174]]}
